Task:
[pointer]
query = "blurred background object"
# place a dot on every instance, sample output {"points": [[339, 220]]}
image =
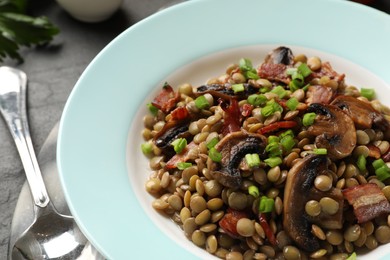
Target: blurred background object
{"points": [[90, 10]]}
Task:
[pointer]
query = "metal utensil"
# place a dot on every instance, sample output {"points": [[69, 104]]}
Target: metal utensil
{"points": [[51, 235]]}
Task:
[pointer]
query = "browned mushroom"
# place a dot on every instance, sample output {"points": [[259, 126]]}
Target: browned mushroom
{"points": [[275, 65], [172, 130], [334, 130], [280, 55], [225, 91], [363, 114], [298, 191], [233, 148]]}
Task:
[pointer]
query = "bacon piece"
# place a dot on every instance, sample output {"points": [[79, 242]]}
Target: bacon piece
{"points": [[229, 221], [246, 110], [231, 117], [275, 72], [367, 200], [179, 113], [166, 100], [267, 229], [319, 94], [181, 157], [374, 151], [277, 126]]}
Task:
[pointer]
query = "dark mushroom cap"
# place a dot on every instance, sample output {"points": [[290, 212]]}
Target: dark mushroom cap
{"points": [[362, 113], [280, 55], [171, 130], [234, 147], [334, 130], [225, 91], [298, 191]]}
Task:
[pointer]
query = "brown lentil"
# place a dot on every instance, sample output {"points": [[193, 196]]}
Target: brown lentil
{"points": [[211, 244], [318, 254], [334, 237], [198, 204], [382, 234], [313, 208], [291, 253], [323, 182], [352, 233], [198, 237], [318, 232], [329, 205]]}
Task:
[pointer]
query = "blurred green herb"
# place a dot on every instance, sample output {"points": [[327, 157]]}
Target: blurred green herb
{"points": [[19, 29]]}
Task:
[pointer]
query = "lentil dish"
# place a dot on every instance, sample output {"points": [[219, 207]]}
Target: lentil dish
{"points": [[279, 161]]}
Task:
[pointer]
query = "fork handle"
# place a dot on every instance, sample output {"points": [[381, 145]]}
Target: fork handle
{"points": [[13, 84]]}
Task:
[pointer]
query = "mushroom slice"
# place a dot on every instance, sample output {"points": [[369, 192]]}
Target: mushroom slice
{"points": [[362, 113], [298, 191], [225, 91], [334, 130], [172, 130], [280, 55], [234, 147]]}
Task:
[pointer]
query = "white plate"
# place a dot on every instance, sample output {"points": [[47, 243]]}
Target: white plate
{"points": [[100, 130]]}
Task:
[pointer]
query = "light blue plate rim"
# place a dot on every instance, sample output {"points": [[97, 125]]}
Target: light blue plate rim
{"points": [[97, 116]]}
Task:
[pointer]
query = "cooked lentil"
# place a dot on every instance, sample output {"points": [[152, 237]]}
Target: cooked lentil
{"points": [[202, 204]]}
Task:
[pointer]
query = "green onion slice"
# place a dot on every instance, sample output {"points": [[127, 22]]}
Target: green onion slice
{"points": [[254, 191], [147, 148], [308, 119], [253, 160], [183, 165], [179, 145], [201, 102], [266, 204], [215, 155], [368, 93]]}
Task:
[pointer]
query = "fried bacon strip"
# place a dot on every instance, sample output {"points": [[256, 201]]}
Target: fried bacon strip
{"points": [[181, 157], [166, 100], [367, 200]]}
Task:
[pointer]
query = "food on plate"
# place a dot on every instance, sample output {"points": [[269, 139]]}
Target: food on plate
{"points": [[283, 160]]}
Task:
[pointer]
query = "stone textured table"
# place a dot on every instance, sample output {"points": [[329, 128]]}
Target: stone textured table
{"points": [[52, 72]]}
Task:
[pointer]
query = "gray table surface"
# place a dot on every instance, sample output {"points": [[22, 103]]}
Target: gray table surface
{"points": [[52, 72]]}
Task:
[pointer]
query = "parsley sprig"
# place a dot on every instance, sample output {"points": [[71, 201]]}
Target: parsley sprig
{"points": [[19, 29]]}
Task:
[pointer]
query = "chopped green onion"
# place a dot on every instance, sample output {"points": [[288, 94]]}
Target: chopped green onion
{"points": [[320, 151], [304, 70], [212, 143], [254, 191], [201, 102], [238, 88], [179, 144], [245, 64], [291, 71], [273, 139], [215, 155], [274, 161], [266, 204], [271, 107], [298, 78], [292, 103], [264, 90], [286, 133], [383, 172], [253, 160], [294, 85], [361, 163], [273, 149], [287, 142], [257, 100], [368, 93], [251, 74], [147, 148], [308, 119], [267, 110], [183, 165], [352, 256], [152, 109], [280, 91], [378, 163]]}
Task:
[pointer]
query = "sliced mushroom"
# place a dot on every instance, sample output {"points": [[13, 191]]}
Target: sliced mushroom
{"points": [[225, 91], [334, 130], [298, 191], [172, 130], [233, 148], [280, 55], [362, 113]]}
